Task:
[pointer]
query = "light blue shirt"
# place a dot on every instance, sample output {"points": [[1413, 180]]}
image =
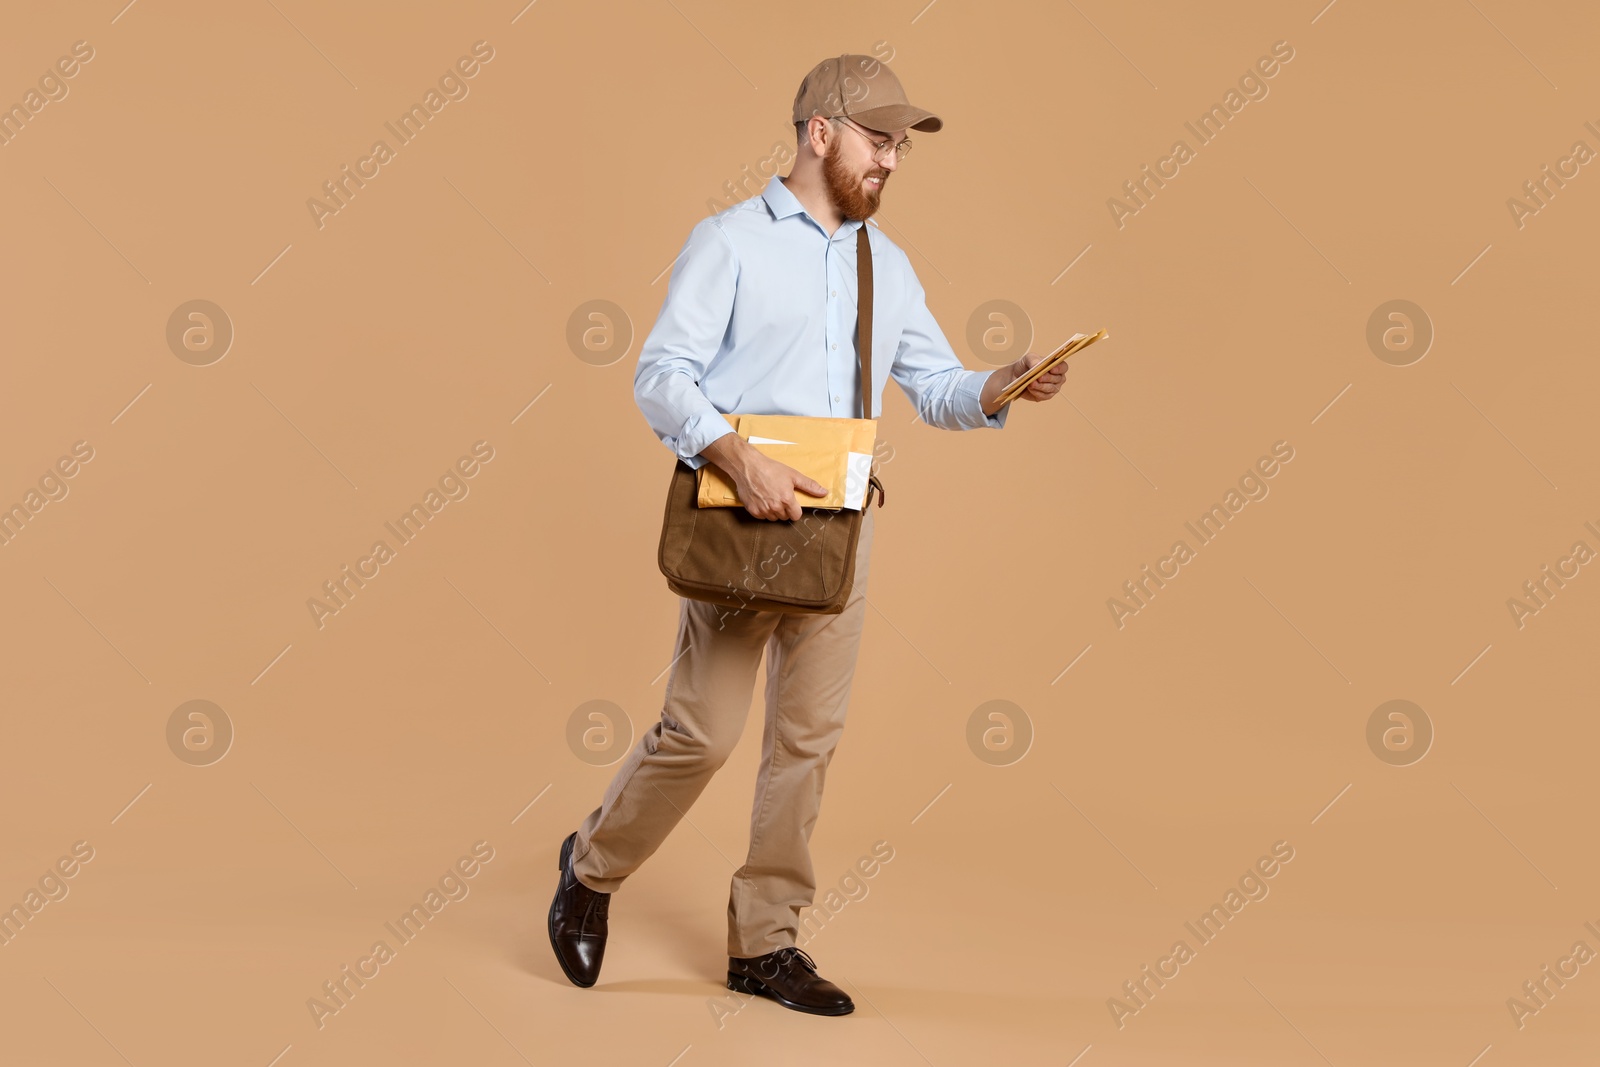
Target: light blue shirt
{"points": [[760, 318]]}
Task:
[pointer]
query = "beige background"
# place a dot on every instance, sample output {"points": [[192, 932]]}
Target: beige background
{"points": [[432, 712]]}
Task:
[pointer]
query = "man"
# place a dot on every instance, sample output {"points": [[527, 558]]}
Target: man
{"points": [[759, 317]]}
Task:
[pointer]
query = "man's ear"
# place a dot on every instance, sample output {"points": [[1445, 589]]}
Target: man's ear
{"points": [[827, 125]]}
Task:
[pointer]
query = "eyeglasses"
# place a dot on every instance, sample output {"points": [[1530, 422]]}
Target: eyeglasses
{"points": [[881, 149]]}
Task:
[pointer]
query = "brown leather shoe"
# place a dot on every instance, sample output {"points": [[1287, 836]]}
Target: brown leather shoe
{"points": [[790, 977], [577, 923]]}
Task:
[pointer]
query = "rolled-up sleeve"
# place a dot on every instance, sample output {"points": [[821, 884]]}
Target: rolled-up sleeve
{"points": [[685, 339], [944, 392]]}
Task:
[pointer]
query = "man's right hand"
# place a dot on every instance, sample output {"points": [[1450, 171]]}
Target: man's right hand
{"points": [[765, 486]]}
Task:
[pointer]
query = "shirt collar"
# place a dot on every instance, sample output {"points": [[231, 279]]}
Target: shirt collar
{"points": [[783, 203]]}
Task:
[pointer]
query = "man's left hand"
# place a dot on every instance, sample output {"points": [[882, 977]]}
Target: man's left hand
{"points": [[1047, 384]]}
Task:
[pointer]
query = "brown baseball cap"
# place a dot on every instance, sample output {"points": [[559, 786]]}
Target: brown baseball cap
{"points": [[864, 89]]}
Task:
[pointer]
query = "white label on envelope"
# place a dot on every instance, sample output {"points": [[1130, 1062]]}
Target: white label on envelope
{"points": [[855, 480]]}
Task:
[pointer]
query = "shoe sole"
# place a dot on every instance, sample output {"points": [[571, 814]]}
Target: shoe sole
{"points": [[745, 984], [550, 919]]}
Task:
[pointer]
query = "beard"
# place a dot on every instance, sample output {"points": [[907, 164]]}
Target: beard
{"points": [[848, 191]]}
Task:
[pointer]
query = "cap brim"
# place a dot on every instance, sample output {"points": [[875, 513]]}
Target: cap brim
{"points": [[898, 117]]}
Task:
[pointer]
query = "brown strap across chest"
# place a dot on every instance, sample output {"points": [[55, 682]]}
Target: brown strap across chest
{"points": [[864, 315]]}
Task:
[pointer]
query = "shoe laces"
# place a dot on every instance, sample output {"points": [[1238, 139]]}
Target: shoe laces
{"points": [[596, 907], [793, 953]]}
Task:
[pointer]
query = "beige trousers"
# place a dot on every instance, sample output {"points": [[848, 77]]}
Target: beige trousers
{"points": [[810, 664]]}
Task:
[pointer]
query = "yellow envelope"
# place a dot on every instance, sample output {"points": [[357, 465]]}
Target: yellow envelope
{"points": [[1076, 343], [816, 447]]}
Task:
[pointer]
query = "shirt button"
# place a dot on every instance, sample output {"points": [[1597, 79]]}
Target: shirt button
{"points": [[835, 345], [833, 292], [835, 400]]}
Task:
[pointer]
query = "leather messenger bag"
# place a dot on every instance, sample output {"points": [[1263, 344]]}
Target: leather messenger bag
{"points": [[726, 556]]}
